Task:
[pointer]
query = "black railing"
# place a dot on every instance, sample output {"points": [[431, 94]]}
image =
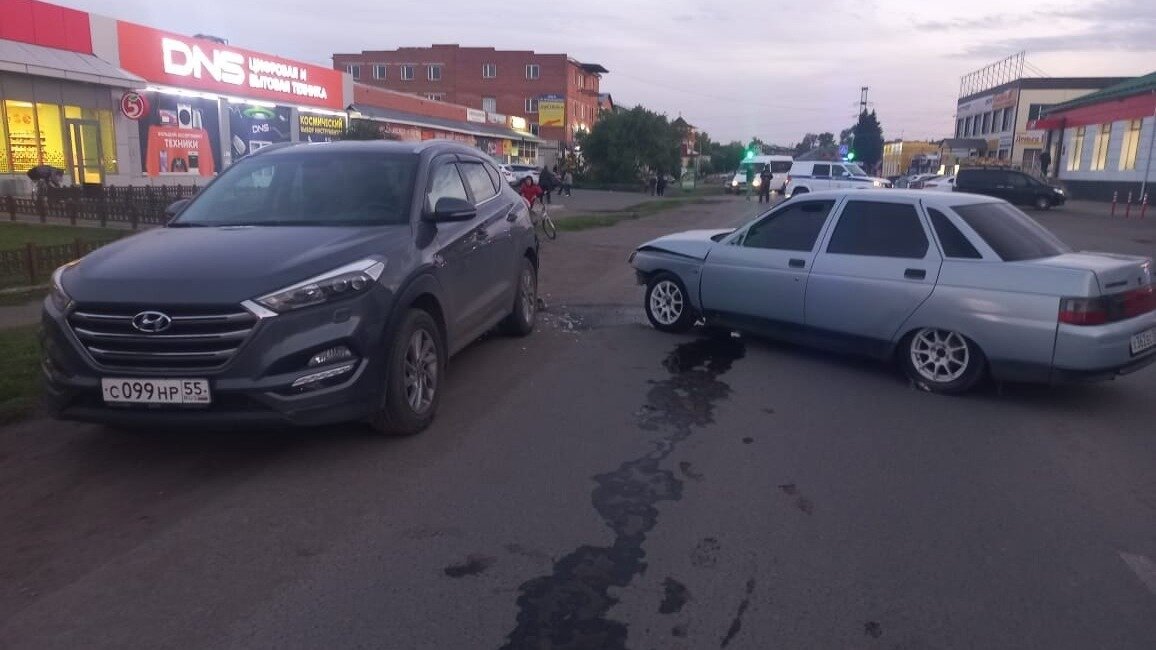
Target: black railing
{"points": [[135, 206]]}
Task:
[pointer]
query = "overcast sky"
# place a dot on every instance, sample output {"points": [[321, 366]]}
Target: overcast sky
{"points": [[735, 68]]}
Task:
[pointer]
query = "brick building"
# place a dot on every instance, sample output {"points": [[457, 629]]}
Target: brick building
{"points": [[557, 95]]}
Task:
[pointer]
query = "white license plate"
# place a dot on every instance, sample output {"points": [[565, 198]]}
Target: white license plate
{"points": [[155, 391], [1144, 341]]}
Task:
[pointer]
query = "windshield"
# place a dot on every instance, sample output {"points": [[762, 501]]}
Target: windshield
{"points": [[1013, 235], [308, 188], [854, 170]]}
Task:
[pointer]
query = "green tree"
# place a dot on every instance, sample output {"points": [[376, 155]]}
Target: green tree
{"points": [[623, 144], [726, 157], [826, 139], [809, 142], [868, 139], [845, 135]]}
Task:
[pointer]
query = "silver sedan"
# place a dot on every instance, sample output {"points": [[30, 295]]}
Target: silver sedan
{"points": [[952, 286]]}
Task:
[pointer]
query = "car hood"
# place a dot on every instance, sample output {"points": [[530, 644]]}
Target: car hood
{"points": [[222, 265], [692, 243]]}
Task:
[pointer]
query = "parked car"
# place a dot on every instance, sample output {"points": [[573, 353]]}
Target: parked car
{"points": [[816, 176], [939, 184], [508, 174], [305, 285], [1011, 185], [951, 286], [522, 171], [916, 182]]}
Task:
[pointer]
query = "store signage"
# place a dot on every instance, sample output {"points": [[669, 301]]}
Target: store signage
{"points": [[474, 115], [1030, 140], [320, 128], [551, 110], [1006, 99], [190, 63], [134, 105]]}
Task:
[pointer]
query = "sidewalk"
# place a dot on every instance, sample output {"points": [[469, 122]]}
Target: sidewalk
{"points": [[20, 315]]}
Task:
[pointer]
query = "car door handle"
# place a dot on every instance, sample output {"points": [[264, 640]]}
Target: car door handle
{"points": [[512, 214], [915, 274], [796, 263]]}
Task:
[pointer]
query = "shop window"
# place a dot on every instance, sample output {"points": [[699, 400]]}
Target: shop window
{"points": [[5, 160], [1077, 150], [1130, 149], [1103, 137]]}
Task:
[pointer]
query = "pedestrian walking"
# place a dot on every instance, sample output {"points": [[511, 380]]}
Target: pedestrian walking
{"points": [[568, 182], [750, 180], [548, 182], [1045, 162], [660, 184], [765, 177], [652, 183]]}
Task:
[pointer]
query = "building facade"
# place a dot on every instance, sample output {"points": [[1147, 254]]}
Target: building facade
{"points": [[1000, 115], [1102, 144], [557, 95]]}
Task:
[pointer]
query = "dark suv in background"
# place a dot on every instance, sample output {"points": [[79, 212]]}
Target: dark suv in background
{"points": [[1011, 185], [309, 284]]}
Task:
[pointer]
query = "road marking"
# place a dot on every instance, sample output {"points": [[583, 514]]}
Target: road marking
{"points": [[1144, 569]]}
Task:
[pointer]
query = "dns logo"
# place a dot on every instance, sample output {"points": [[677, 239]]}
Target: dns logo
{"points": [[186, 60], [261, 128]]}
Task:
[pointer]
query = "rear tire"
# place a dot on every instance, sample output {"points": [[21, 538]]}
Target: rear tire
{"points": [[667, 304], [415, 365], [524, 314], [942, 361]]}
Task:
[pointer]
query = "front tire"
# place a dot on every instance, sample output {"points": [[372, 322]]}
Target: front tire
{"points": [[942, 361], [415, 367], [667, 305], [1043, 203], [524, 315]]}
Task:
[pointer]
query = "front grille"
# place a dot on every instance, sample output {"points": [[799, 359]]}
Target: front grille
{"points": [[198, 340]]}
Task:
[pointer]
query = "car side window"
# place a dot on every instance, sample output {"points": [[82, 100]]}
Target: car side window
{"points": [[479, 181], [953, 241], [821, 170], [446, 182], [792, 228], [1016, 180], [879, 229], [838, 172], [495, 176]]}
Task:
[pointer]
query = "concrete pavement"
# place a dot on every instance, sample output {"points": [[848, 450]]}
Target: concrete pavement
{"points": [[601, 485]]}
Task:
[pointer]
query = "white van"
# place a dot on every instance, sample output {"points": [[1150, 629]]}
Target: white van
{"points": [[818, 175], [780, 166]]}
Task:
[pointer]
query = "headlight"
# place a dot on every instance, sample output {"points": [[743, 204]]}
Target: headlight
{"points": [[758, 181], [349, 280], [56, 293], [734, 183], [1058, 190], [877, 183]]}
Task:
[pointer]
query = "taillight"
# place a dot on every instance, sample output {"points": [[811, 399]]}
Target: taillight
{"points": [[1108, 309], [1083, 311]]}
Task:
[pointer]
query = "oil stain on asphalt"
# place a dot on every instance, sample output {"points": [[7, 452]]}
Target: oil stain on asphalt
{"points": [[474, 565], [568, 608], [737, 623], [675, 595]]}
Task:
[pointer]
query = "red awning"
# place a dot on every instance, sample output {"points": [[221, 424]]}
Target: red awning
{"points": [[1046, 123]]}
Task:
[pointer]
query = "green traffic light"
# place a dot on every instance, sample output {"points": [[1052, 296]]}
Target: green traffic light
{"points": [[750, 154], [850, 155]]}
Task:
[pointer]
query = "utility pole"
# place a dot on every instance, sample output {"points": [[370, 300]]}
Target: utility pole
{"points": [[862, 100]]}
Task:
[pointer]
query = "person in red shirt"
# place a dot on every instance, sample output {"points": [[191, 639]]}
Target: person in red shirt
{"points": [[530, 190]]}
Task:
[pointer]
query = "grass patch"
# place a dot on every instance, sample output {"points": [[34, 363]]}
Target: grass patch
{"points": [[22, 297], [605, 219], [17, 235], [20, 381]]}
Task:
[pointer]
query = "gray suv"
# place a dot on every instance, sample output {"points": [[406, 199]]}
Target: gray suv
{"points": [[307, 285]]}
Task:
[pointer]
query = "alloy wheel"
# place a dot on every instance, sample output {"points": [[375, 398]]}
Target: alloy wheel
{"points": [[940, 356], [528, 295], [666, 302], [421, 371]]}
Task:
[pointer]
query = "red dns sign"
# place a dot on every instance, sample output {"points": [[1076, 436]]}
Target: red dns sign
{"points": [[134, 105]]}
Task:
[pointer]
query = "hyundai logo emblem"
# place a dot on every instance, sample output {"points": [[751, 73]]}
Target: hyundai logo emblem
{"points": [[151, 322]]}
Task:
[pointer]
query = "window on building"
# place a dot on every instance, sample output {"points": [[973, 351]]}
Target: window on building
{"points": [[581, 81], [437, 97], [1130, 149], [407, 73], [1100, 155], [997, 120], [531, 104], [959, 133], [1008, 115], [967, 127], [879, 230], [1034, 110], [533, 71], [354, 70], [535, 127], [490, 104], [1076, 151], [379, 71], [489, 70], [986, 123], [434, 73]]}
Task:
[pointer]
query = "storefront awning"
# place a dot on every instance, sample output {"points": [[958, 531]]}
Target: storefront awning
{"points": [[454, 126], [25, 58]]}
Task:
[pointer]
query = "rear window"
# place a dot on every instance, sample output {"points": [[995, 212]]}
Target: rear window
{"points": [[1013, 235], [954, 243]]}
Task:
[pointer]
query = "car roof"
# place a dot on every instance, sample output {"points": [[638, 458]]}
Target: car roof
{"points": [[938, 198], [383, 146]]}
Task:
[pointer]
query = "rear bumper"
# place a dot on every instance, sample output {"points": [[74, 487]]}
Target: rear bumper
{"points": [[1101, 351]]}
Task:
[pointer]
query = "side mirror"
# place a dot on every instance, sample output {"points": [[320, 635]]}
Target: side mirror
{"points": [[452, 209], [175, 208]]}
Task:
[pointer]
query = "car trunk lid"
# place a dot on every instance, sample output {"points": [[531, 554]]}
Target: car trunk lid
{"points": [[1114, 273]]}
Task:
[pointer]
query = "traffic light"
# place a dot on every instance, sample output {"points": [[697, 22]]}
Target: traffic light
{"points": [[749, 154], [850, 155]]}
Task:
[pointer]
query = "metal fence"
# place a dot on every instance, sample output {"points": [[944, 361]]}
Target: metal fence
{"points": [[135, 206], [33, 265]]}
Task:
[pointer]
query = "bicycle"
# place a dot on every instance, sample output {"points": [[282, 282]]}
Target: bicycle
{"points": [[544, 222]]}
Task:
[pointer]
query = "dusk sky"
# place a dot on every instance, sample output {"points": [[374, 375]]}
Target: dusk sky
{"points": [[734, 68]]}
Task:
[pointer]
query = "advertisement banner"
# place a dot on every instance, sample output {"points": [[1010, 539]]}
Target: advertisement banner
{"points": [[179, 136], [184, 62], [1006, 99], [474, 115], [320, 128], [551, 110], [252, 128]]}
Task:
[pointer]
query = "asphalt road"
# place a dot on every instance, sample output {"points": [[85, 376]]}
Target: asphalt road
{"points": [[602, 485]]}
